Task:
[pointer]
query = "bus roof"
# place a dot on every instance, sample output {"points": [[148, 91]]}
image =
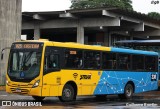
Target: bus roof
{"points": [[138, 42], [91, 47], [123, 50]]}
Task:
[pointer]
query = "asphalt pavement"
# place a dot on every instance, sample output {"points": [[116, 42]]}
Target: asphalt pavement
{"points": [[145, 100]]}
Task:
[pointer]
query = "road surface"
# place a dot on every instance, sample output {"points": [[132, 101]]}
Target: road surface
{"points": [[140, 101]]}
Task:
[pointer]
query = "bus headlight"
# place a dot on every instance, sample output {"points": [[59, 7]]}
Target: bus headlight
{"points": [[7, 82], [36, 84]]}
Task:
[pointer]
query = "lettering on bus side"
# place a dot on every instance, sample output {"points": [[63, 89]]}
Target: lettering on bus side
{"points": [[85, 77]]}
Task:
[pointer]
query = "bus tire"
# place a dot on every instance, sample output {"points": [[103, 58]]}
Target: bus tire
{"points": [[128, 92], [68, 94], [38, 98]]}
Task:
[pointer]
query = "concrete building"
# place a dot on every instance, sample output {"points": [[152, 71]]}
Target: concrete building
{"points": [[102, 26], [10, 29]]}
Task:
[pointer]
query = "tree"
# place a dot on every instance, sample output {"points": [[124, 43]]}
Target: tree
{"points": [[83, 4], [155, 15], [127, 4]]}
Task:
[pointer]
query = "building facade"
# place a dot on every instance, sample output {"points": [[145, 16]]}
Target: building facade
{"points": [[99, 26]]}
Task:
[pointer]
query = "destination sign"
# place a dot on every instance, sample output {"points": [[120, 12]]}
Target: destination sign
{"points": [[26, 46]]}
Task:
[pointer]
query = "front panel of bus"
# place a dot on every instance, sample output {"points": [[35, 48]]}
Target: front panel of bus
{"points": [[24, 67]]}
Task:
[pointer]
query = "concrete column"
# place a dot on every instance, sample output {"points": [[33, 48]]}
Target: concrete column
{"points": [[80, 34], [109, 39], [36, 31], [10, 30], [131, 37], [106, 38]]}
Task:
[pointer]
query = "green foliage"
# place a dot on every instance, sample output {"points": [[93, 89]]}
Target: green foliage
{"points": [[127, 4], [83, 4], [154, 15]]}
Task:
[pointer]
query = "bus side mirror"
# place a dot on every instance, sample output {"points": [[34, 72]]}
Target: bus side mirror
{"points": [[2, 56], [2, 53]]}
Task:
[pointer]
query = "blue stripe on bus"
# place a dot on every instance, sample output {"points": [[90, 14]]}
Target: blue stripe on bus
{"points": [[133, 51], [113, 82]]}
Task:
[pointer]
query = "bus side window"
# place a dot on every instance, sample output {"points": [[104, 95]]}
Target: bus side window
{"points": [[53, 61], [138, 62], [92, 60], [73, 58], [124, 61], [150, 63], [109, 60]]}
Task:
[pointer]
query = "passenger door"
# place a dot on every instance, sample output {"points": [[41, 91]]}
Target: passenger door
{"points": [[51, 70]]}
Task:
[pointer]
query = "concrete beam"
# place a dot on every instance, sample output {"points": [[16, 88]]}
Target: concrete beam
{"points": [[94, 22], [67, 15], [152, 25], [87, 22], [59, 23], [129, 19], [139, 27], [109, 14], [27, 25], [38, 17], [122, 17], [147, 33]]}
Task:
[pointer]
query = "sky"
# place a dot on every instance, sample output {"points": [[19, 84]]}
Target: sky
{"points": [[143, 6]]}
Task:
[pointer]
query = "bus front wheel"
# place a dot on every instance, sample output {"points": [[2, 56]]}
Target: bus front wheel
{"points": [[68, 94], [37, 98], [128, 92]]}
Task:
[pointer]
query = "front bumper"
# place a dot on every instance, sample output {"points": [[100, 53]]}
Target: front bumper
{"points": [[24, 90]]}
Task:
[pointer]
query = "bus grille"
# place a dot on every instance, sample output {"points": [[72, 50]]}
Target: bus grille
{"points": [[21, 86], [22, 91]]}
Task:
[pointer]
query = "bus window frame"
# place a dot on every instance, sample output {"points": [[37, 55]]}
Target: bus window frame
{"points": [[131, 62], [47, 54], [62, 57], [73, 49], [139, 70], [156, 63], [117, 60], [108, 52], [100, 52]]}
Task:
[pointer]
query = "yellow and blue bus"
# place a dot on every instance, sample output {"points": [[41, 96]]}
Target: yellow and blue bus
{"points": [[42, 68]]}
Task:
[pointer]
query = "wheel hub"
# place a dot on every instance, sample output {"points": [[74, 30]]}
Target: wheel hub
{"points": [[128, 92], [67, 93]]}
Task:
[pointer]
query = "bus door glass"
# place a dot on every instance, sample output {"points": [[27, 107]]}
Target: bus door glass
{"points": [[51, 62]]}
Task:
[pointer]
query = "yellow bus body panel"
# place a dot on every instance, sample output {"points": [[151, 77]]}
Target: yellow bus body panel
{"points": [[54, 82]]}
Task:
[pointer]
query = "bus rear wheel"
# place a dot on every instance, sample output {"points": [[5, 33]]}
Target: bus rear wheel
{"points": [[128, 92], [68, 94], [37, 98]]}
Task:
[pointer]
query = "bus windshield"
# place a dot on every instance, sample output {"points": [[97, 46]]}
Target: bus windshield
{"points": [[24, 65]]}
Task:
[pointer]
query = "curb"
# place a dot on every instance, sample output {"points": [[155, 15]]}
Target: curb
{"points": [[2, 88]]}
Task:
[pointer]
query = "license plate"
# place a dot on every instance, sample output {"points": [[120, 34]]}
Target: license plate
{"points": [[18, 90]]}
